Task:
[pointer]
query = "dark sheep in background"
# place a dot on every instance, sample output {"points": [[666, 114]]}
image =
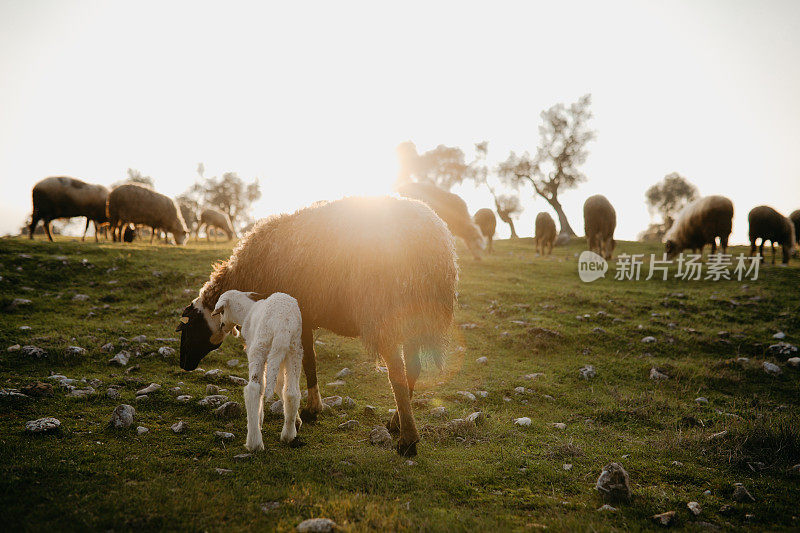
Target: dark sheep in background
{"points": [[189, 215], [769, 225], [599, 223], [382, 269], [64, 197], [700, 223], [795, 218], [545, 229], [450, 208], [487, 222], [214, 218], [141, 205]]}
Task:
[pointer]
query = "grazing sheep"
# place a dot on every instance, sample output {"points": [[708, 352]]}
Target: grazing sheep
{"points": [[795, 218], [545, 229], [769, 225], [213, 218], [383, 269], [700, 223], [189, 215], [452, 209], [140, 205], [487, 222], [271, 329], [64, 197], [599, 223]]}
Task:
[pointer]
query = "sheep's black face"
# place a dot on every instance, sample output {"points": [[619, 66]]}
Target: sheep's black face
{"points": [[196, 336]]}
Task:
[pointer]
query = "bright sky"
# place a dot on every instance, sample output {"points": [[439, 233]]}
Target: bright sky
{"points": [[312, 98]]}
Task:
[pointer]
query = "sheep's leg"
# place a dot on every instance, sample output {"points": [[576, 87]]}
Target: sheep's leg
{"points": [[314, 406], [713, 246], [761, 249], [413, 369], [83, 239], [491, 247], [290, 370], [96, 239], [47, 229], [407, 445], [723, 243], [772, 245], [32, 227], [254, 403]]}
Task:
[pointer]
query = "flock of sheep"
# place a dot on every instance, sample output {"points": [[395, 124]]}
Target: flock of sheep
{"points": [[121, 209], [380, 269]]}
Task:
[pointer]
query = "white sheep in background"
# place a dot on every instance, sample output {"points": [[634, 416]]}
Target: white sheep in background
{"points": [[271, 330]]}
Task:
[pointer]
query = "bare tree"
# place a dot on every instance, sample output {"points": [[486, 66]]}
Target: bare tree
{"points": [[564, 134], [507, 205], [669, 196], [136, 176]]}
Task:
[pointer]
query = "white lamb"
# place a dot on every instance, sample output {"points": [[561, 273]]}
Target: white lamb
{"points": [[271, 330]]}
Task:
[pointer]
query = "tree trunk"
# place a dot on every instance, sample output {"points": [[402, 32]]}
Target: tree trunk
{"points": [[562, 218], [513, 231]]}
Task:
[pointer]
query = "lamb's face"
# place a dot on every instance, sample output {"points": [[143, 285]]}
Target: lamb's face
{"points": [[180, 237], [200, 334]]}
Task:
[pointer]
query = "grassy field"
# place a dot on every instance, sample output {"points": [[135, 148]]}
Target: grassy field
{"points": [[524, 313]]}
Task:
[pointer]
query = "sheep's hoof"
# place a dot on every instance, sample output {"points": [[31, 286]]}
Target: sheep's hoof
{"points": [[393, 425], [407, 450], [296, 442], [306, 415], [297, 423]]}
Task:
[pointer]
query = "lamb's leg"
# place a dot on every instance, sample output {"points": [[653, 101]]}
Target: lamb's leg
{"points": [[413, 368], [407, 445], [314, 406], [291, 399], [32, 226], [254, 403], [47, 229], [723, 242]]}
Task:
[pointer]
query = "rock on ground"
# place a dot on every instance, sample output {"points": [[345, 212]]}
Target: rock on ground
{"points": [[664, 519], [232, 363], [343, 373], [656, 375], [648, 339], [482, 360], [37, 389], [211, 390], [33, 351], [350, 424], [184, 398], [695, 508], [772, 369], [42, 425], [236, 380], [587, 372], [370, 410], [166, 351], [466, 395], [316, 525], [224, 435], [122, 416], [150, 389], [523, 421], [379, 436], [112, 393], [228, 410], [276, 408], [76, 350], [614, 483], [141, 430], [213, 400], [178, 427], [476, 418], [332, 401], [121, 358], [741, 494]]}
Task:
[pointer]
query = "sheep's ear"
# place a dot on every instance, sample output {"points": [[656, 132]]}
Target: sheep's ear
{"points": [[235, 331], [256, 296], [183, 322], [218, 311]]}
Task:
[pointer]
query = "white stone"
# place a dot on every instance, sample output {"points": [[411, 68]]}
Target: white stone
{"points": [[224, 435], [794, 361], [559, 425], [466, 395], [76, 350], [276, 408], [332, 401], [141, 430], [139, 338], [178, 427], [337, 383], [316, 525], [80, 298], [343, 373], [772, 369], [42, 425], [482, 360], [233, 363], [476, 417], [122, 416], [166, 351], [523, 421], [701, 399], [588, 372], [656, 375], [121, 358], [237, 380], [438, 412], [648, 339], [695, 508], [779, 335], [184, 398], [150, 389], [16, 348]]}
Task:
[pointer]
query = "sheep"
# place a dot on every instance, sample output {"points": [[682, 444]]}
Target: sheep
{"points": [[487, 222], [141, 205], [545, 229], [271, 329], [452, 209], [769, 225], [213, 218], [795, 218], [700, 223], [189, 215], [599, 223], [382, 269], [65, 197]]}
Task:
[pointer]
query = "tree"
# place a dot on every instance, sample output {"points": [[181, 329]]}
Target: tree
{"points": [[443, 166], [669, 196], [564, 134], [136, 176], [506, 205], [231, 195]]}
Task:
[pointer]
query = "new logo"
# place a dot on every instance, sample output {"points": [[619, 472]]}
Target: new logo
{"points": [[591, 266]]}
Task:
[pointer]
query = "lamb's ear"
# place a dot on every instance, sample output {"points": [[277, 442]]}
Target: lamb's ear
{"points": [[218, 310], [183, 322], [256, 296], [235, 331]]}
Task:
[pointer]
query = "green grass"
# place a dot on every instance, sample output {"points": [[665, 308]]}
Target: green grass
{"points": [[496, 476]]}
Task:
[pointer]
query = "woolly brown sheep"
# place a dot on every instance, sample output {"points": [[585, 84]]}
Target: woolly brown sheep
{"points": [[213, 218], [487, 222], [545, 229], [769, 225], [700, 223], [599, 223], [64, 197], [382, 269], [140, 205], [795, 218], [452, 209]]}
